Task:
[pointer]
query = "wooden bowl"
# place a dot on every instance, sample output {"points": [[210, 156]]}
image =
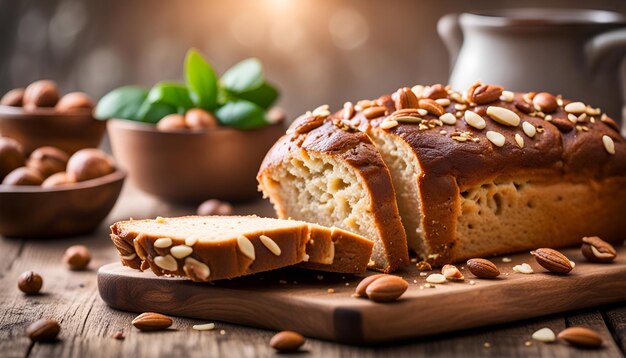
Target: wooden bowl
{"points": [[189, 167], [36, 212], [45, 126]]}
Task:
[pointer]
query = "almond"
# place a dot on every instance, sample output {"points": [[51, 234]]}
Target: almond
{"points": [[581, 337], [308, 123], [374, 112], [546, 102], [431, 106], [287, 341], [563, 124], [523, 107], [405, 98], [386, 288], [437, 91], [452, 273], [360, 288], [150, 321], [485, 94], [552, 260], [44, 330], [483, 268], [597, 250], [348, 111]]}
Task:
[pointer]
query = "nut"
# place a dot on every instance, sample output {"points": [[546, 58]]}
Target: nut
{"points": [[483, 268], [41, 93], [485, 94], [74, 102], [23, 176], [581, 337], [48, 160], [546, 102], [437, 91], [597, 250], [348, 111], [423, 266], [276, 115], [436, 278], [77, 257], [374, 112], [14, 97], [89, 164], [29, 282], [523, 107], [56, 180], [198, 118], [11, 156], [452, 273], [503, 116], [383, 288], [44, 330], [287, 341], [172, 122], [552, 260], [496, 138], [431, 106], [563, 124], [360, 288], [214, 207], [545, 335], [307, 123], [405, 98], [150, 321], [119, 335]]}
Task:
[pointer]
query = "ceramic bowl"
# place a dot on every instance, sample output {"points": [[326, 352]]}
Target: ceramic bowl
{"points": [[189, 167], [45, 126], [36, 212]]}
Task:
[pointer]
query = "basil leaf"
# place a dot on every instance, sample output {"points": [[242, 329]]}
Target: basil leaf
{"points": [[201, 80], [263, 96], [174, 94], [123, 102], [244, 76], [241, 114], [153, 112]]}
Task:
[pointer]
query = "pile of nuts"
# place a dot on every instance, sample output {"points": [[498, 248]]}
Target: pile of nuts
{"points": [[45, 94], [194, 119], [49, 166]]}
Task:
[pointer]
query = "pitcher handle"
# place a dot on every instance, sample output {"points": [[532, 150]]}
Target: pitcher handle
{"points": [[449, 30]]}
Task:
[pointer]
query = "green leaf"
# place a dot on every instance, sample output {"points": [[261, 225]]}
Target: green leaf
{"points": [[264, 96], [241, 115], [201, 80], [153, 112], [123, 102], [245, 76], [174, 94]]}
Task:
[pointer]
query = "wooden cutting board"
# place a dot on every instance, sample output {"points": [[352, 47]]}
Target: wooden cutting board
{"points": [[303, 300]]}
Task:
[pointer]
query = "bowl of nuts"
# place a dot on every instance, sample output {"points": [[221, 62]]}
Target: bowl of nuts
{"points": [[53, 194], [39, 116]]}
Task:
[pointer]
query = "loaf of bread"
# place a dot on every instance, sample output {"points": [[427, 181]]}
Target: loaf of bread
{"points": [[207, 248], [479, 173]]}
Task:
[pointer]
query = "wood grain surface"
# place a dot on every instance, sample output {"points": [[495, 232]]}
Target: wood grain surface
{"points": [[88, 323]]}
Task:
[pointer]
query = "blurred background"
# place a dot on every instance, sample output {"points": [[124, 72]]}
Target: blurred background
{"points": [[316, 51]]}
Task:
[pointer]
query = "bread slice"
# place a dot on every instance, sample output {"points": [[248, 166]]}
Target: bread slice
{"points": [[334, 176], [207, 248]]}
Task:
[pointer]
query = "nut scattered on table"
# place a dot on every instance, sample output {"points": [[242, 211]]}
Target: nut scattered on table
{"points": [[360, 288], [436, 278], [383, 288], [48, 160], [150, 321], [29, 282], [552, 260], [483, 268], [287, 341], [214, 207], [119, 335], [597, 250], [44, 330], [581, 337], [77, 257], [89, 164], [545, 335], [452, 273]]}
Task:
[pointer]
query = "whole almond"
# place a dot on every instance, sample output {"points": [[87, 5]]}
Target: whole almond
{"points": [[437, 91], [405, 98], [552, 260], [523, 107], [150, 321], [546, 102], [581, 337], [431, 106], [485, 94], [44, 330], [563, 124], [348, 111], [386, 288], [308, 123], [482, 268], [597, 250], [362, 286], [452, 273], [374, 112], [287, 341], [13, 98]]}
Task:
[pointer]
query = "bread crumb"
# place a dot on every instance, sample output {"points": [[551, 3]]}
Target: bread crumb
{"points": [[472, 282], [506, 259], [423, 266], [423, 274], [222, 332], [331, 290], [486, 345], [160, 219], [528, 343], [320, 277], [347, 283]]}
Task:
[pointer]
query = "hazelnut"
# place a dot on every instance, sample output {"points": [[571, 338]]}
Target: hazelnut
{"points": [[29, 282], [197, 118], [44, 330], [48, 160], [56, 180], [276, 115], [214, 207], [41, 93], [11, 156], [23, 176], [77, 257], [172, 122], [74, 102], [89, 164], [13, 98]]}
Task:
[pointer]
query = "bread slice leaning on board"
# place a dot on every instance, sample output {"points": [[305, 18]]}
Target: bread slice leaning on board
{"points": [[207, 248], [475, 174]]}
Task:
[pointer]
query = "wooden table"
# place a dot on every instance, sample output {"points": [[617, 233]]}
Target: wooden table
{"points": [[88, 324]]}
